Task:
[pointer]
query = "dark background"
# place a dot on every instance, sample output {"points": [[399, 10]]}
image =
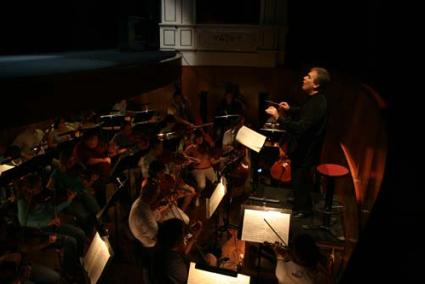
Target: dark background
{"points": [[346, 36], [341, 35]]}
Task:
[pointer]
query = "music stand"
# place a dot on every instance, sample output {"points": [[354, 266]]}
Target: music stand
{"points": [[216, 197], [254, 141], [212, 275], [141, 116], [214, 201], [265, 224], [97, 258], [109, 203]]}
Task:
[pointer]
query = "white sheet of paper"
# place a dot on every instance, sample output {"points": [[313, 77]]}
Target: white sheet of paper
{"points": [[215, 199], [5, 167], [197, 276], [255, 229], [96, 258], [251, 139]]}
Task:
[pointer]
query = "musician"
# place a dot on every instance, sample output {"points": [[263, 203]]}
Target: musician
{"points": [[120, 107], [309, 132], [35, 210], [229, 105], [231, 102], [126, 138], [183, 190], [301, 264], [170, 260], [61, 132], [93, 154], [68, 178], [146, 209], [180, 108], [142, 222], [202, 170], [154, 153], [29, 142], [15, 262]]}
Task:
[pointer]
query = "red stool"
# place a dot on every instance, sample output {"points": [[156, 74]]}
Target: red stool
{"points": [[330, 171]]}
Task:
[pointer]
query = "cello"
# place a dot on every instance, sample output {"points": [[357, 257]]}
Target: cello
{"points": [[281, 169]]}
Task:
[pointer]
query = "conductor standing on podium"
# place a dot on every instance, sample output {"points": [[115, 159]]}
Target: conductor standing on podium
{"points": [[308, 132]]}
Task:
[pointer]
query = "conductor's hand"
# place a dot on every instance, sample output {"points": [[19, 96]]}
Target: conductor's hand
{"points": [[273, 112]]}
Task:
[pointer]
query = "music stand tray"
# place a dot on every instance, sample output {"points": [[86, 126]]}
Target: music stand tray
{"points": [[212, 275], [265, 224]]}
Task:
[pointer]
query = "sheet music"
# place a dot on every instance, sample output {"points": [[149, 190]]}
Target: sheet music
{"points": [[216, 197], [251, 139], [197, 276], [255, 229], [96, 258], [5, 167]]}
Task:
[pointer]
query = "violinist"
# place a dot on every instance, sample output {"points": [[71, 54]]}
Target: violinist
{"points": [[171, 264], [126, 138], [93, 154], [29, 142], [166, 206], [61, 132], [183, 190], [202, 170], [180, 108], [147, 209], [154, 153], [68, 178], [37, 212]]}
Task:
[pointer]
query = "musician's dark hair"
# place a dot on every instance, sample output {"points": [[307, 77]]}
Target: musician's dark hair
{"points": [[90, 134], [155, 167], [198, 133], [66, 154], [305, 251], [170, 233], [31, 180], [26, 182], [149, 193]]}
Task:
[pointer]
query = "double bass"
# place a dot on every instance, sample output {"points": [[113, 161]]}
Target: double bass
{"points": [[281, 169]]}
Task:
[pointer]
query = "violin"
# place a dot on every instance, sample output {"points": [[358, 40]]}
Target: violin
{"points": [[165, 186], [281, 169], [207, 138], [232, 252]]}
